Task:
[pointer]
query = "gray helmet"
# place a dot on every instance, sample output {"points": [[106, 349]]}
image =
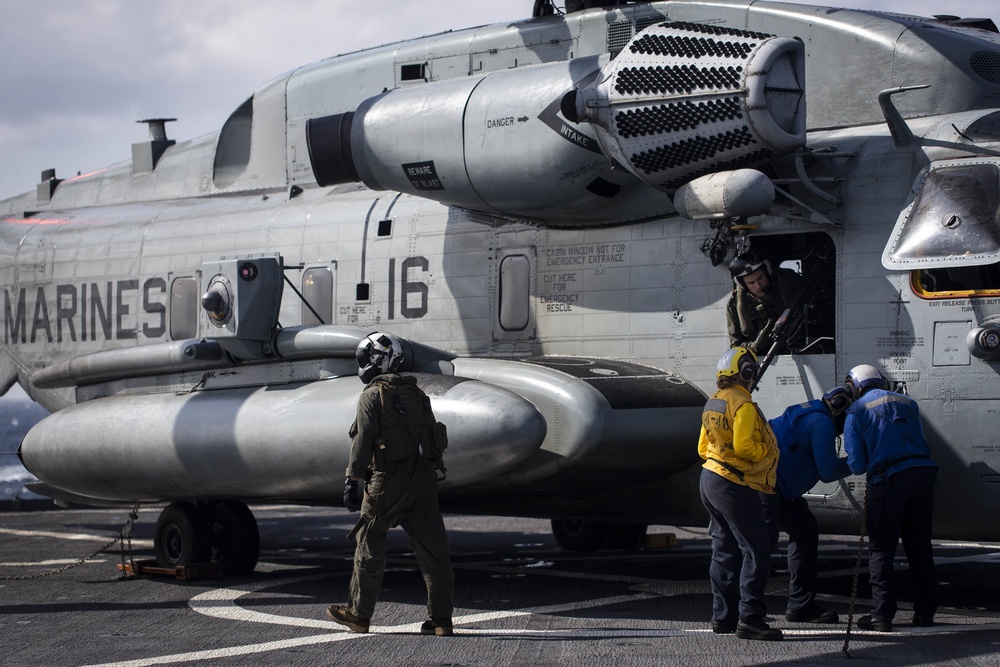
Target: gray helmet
{"points": [[864, 377], [376, 354]]}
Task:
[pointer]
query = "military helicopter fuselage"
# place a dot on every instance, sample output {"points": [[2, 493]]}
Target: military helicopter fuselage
{"points": [[542, 210]]}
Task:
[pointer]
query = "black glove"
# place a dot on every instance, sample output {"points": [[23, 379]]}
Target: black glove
{"points": [[352, 501]]}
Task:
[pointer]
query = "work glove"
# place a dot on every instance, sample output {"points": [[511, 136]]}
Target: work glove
{"points": [[352, 501]]}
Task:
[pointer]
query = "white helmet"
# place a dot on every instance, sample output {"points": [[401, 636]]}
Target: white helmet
{"points": [[863, 377], [378, 353]]}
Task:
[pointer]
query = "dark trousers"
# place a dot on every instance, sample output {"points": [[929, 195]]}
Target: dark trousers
{"points": [[741, 547], [803, 551], [420, 517], [901, 506]]}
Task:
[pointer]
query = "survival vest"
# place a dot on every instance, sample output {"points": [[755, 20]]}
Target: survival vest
{"points": [[717, 421], [407, 426]]}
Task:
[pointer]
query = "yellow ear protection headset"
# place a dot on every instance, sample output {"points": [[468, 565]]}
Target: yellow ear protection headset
{"points": [[739, 362]]}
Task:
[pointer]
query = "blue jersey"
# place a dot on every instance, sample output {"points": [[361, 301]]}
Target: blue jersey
{"points": [[807, 440], [883, 435]]}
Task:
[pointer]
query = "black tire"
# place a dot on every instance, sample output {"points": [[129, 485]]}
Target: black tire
{"points": [[182, 535], [235, 537]]}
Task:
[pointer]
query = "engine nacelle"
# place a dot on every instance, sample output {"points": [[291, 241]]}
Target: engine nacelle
{"points": [[496, 144], [549, 143]]}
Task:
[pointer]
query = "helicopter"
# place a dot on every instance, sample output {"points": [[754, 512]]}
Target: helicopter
{"points": [[542, 212]]}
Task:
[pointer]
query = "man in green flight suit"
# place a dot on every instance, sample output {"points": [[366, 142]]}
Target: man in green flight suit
{"points": [[393, 416], [760, 295]]}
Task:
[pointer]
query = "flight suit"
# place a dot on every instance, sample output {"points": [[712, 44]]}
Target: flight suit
{"points": [[884, 439], [737, 489], [403, 490]]}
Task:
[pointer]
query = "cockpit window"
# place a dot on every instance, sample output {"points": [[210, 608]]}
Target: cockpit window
{"points": [[954, 220]]}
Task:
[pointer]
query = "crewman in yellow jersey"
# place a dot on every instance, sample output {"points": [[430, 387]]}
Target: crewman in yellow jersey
{"points": [[737, 488]]}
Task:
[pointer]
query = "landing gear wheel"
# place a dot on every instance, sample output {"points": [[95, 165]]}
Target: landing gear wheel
{"points": [[235, 538], [182, 536]]}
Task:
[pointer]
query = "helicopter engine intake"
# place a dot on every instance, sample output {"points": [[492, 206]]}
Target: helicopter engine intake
{"points": [[683, 100]]}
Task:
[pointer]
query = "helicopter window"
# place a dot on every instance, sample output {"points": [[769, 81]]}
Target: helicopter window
{"points": [[184, 308], [953, 222], [811, 257], [957, 281], [317, 291], [232, 153], [413, 72], [515, 292]]}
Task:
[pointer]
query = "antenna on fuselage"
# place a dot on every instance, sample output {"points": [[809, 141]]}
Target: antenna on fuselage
{"points": [[146, 155], [901, 133]]}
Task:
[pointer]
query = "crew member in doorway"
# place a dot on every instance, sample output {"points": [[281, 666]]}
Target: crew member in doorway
{"points": [[760, 295], [807, 441], [885, 440], [737, 489], [389, 448]]}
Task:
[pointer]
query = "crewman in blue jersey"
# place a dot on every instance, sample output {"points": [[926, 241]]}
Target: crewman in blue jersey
{"points": [[884, 439], [807, 439]]}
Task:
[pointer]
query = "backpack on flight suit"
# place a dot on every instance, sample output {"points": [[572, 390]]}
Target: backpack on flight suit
{"points": [[432, 439]]}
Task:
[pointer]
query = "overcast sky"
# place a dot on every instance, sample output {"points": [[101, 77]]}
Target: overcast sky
{"points": [[75, 76]]}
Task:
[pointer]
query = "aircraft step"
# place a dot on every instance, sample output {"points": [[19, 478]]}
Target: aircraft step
{"points": [[192, 572]]}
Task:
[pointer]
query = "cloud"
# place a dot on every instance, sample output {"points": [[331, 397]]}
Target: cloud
{"points": [[76, 75]]}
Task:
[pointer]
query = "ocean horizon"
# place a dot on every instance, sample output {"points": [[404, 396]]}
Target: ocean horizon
{"points": [[18, 414]]}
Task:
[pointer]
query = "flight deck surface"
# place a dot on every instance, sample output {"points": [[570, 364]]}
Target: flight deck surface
{"points": [[520, 600]]}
